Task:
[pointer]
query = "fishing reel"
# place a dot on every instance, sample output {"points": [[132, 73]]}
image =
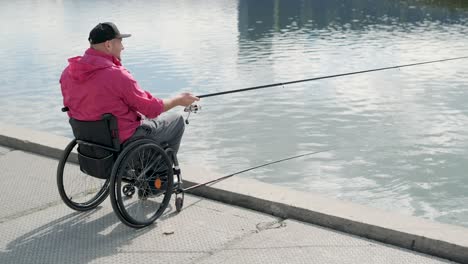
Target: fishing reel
{"points": [[191, 109]]}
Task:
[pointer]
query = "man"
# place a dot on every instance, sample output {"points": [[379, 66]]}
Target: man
{"points": [[97, 83]]}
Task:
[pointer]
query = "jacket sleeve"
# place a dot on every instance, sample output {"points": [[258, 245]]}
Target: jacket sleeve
{"points": [[138, 99]]}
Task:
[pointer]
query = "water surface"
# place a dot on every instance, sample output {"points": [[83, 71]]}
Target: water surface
{"points": [[398, 137]]}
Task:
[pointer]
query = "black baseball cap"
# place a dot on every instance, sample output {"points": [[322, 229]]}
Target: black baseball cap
{"points": [[103, 32]]}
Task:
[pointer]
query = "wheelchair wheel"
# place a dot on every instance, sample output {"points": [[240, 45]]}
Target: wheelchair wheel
{"points": [[78, 190], [179, 202], [145, 167], [128, 190]]}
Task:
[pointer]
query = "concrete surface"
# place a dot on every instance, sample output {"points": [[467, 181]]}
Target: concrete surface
{"points": [[36, 227], [447, 241]]}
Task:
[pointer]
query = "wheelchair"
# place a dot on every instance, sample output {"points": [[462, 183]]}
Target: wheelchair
{"points": [[139, 174]]}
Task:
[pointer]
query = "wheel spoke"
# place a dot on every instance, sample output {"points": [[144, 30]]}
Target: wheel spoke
{"points": [[150, 162], [78, 190]]}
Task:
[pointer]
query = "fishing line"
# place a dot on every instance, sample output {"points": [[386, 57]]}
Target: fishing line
{"points": [[256, 167], [195, 108], [326, 77]]}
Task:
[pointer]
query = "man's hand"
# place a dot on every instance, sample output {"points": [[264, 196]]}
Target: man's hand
{"points": [[183, 99]]}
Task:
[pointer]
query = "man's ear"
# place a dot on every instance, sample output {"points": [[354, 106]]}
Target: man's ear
{"points": [[108, 45]]}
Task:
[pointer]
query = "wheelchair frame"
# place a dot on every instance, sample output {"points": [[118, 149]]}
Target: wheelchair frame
{"points": [[123, 181]]}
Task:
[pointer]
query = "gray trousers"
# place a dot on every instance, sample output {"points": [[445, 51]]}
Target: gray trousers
{"points": [[166, 128]]}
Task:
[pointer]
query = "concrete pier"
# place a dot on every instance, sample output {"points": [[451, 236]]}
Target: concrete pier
{"points": [[234, 221]]}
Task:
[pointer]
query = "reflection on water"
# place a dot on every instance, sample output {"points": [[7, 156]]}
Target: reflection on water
{"points": [[398, 137], [258, 17]]}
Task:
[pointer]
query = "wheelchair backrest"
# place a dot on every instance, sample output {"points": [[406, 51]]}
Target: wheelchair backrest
{"points": [[98, 144], [102, 132]]}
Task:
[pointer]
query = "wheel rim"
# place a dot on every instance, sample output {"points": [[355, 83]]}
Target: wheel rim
{"points": [[147, 169], [79, 190]]}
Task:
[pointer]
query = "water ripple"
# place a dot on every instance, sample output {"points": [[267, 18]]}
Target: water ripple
{"points": [[398, 137]]}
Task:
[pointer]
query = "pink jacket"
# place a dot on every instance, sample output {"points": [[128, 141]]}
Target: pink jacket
{"points": [[97, 83]]}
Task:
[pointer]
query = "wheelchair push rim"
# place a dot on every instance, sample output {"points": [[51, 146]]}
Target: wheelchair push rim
{"points": [[141, 183], [78, 190]]}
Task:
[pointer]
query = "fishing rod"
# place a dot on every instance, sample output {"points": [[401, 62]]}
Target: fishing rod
{"points": [[326, 77], [252, 168], [195, 108]]}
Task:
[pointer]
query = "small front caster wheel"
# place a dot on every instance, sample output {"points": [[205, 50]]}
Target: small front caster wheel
{"points": [[128, 190], [179, 203]]}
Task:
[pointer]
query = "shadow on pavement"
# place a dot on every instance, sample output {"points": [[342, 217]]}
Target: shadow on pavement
{"points": [[79, 237]]}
